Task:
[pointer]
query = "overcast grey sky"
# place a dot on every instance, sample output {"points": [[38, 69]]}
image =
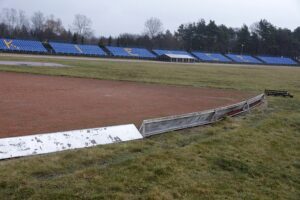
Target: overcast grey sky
{"points": [[112, 17]]}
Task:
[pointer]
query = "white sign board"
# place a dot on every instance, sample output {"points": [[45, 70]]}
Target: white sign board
{"points": [[55, 142]]}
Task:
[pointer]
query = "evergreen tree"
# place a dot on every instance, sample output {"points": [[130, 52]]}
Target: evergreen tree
{"points": [[75, 38]]}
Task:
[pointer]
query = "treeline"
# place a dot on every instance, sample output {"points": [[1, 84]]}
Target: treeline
{"points": [[16, 24], [261, 38]]}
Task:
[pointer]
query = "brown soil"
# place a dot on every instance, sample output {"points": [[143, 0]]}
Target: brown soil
{"points": [[32, 104]]}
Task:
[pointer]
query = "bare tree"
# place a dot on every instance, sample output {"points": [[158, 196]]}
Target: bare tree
{"points": [[23, 21], [54, 25], [38, 21], [10, 17], [153, 27], [82, 25]]}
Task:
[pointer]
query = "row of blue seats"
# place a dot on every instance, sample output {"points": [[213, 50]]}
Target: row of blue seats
{"points": [[67, 48], [22, 45], [243, 59], [216, 57], [211, 57], [277, 60], [130, 52]]}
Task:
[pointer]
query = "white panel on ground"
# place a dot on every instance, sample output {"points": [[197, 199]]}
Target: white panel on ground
{"points": [[55, 142]]}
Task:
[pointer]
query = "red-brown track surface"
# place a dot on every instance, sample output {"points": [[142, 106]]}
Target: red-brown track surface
{"points": [[33, 104]]}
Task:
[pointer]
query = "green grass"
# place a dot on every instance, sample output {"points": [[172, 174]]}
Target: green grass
{"points": [[251, 157]]}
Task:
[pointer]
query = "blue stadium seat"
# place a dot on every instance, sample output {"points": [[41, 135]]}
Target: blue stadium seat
{"points": [[130, 52], [22, 46], [277, 60], [211, 57], [243, 59], [160, 52], [76, 49]]}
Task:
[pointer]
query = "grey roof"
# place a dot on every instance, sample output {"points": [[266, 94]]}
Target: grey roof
{"points": [[179, 56]]}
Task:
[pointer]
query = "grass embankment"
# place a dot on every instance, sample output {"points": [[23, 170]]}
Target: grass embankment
{"points": [[253, 157]]}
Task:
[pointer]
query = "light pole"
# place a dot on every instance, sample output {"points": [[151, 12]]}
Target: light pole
{"points": [[242, 49]]}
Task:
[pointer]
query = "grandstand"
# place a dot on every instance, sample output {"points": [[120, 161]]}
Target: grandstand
{"points": [[243, 59], [22, 46], [31, 46], [67, 48], [130, 52], [277, 60], [210, 57]]}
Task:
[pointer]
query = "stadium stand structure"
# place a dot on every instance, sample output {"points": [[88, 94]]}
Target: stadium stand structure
{"points": [[66, 48], [243, 59], [211, 57], [22, 46], [130, 52], [32, 46], [160, 52], [277, 60], [177, 58]]}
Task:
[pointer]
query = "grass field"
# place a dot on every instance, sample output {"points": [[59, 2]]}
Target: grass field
{"points": [[251, 157]]}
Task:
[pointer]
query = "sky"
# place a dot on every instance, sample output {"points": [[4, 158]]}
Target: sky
{"points": [[112, 17]]}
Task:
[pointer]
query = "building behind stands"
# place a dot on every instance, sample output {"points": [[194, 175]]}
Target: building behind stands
{"points": [[161, 52], [177, 58], [174, 56]]}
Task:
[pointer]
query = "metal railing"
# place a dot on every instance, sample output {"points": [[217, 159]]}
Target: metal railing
{"points": [[166, 124]]}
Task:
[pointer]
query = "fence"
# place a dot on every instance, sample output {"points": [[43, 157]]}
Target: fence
{"points": [[172, 123], [62, 141], [55, 142]]}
